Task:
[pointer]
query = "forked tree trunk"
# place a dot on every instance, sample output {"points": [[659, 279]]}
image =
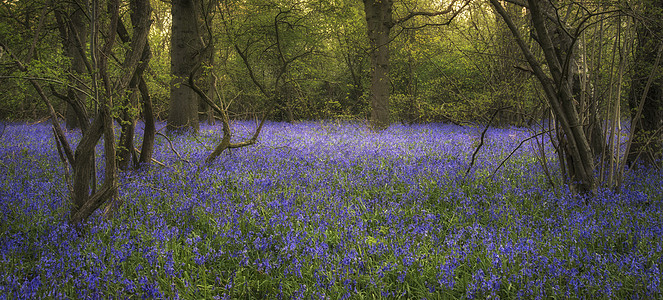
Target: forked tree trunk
{"points": [[83, 166], [84, 202], [86, 198], [558, 90]]}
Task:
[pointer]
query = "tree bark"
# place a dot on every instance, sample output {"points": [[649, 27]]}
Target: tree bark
{"points": [[147, 148], [83, 166], [140, 19], [379, 23], [183, 113], [126, 144], [85, 203]]}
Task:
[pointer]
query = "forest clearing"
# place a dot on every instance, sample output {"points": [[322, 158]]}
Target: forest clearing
{"points": [[328, 210]]}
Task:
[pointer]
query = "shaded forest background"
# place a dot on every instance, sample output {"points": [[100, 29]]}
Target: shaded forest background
{"points": [[458, 67]]}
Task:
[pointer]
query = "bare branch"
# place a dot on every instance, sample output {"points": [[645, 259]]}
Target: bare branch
{"points": [[515, 149], [483, 134], [172, 148], [52, 80], [429, 13], [227, 133]]}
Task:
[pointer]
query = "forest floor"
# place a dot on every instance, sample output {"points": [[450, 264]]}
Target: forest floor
{"points": [[329, 210]]}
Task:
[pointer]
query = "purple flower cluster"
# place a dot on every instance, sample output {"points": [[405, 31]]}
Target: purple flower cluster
{"points": [[328, 210]]}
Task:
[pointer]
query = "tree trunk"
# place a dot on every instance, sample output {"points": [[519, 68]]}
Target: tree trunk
{"points": [[140, 19], [126, 144], [183, 113], [379, 23], [84, 202], [147, 149], [83, 166], [647, 140]]}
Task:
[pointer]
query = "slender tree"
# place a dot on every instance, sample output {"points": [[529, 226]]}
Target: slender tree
{"points": [[139, 56]]}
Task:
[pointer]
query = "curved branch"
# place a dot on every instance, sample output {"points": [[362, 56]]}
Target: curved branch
{"points": [[227, 133], [483, 134], [54, 119], [430, 13], [515, 149], [173, 147]]}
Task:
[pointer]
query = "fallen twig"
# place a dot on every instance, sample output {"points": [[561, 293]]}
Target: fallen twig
{"points": [[483, 134], [173, 148], [514, 150], [153, 159]]}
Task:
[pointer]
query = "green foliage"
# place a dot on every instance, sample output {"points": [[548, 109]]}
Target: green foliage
{"points": [[311, 57], [18, 100]]}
